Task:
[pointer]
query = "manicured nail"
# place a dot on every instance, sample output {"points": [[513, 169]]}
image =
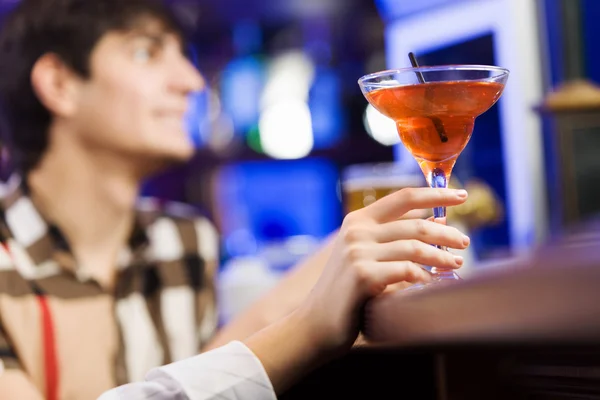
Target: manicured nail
{"points": [[458, 260], [462, 194], [466, 240]]}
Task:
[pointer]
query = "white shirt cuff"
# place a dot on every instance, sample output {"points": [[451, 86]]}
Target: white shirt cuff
{"points": [[229, 372]]}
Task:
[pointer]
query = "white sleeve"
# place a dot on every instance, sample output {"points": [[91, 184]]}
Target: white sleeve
{"points": [[231, 372]]}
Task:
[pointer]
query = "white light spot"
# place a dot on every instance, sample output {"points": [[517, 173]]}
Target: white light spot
{"points": [[380, 127], [286, 130]]}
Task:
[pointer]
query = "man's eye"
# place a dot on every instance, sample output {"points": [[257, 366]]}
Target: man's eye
{"points": [[143, 54]]}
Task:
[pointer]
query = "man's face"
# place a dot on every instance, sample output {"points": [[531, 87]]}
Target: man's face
{"points": [[137, 96]]}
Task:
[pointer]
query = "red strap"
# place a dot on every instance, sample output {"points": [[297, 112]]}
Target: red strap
{"points": [[50, 358], [48, 344]]}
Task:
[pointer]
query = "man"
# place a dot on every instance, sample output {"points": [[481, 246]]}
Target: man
{"points": [[94, 291]]}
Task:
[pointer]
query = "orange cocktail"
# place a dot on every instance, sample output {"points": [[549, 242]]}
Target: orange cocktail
{"points": [[454, 104], [435, 109]]}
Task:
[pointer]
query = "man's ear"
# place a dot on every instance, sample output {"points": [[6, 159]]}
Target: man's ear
{"points": [[55, 85]]}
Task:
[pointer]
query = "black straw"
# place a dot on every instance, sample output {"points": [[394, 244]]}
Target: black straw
{"points": [[415, 64], [439, 126]]}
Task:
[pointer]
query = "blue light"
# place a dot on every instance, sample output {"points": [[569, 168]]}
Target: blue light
{"points": [[197, 118], [241, 86], [259, 202], [395, 9], [326, 108], [247, 37]]}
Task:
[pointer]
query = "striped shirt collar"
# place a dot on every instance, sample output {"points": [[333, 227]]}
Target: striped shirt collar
{"points": [[42, 242]]}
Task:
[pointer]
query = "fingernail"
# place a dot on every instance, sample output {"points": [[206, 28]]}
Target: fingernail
{"points": [[466, 240], [458, 260], [462, 193]]}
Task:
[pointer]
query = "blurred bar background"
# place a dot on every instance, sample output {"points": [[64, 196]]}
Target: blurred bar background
{"points": [[286, 143]]}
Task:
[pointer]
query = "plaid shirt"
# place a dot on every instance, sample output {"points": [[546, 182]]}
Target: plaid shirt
{"points": [[161, 310]]}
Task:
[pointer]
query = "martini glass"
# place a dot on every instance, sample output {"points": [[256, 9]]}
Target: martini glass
{"points": [[435, 109]]}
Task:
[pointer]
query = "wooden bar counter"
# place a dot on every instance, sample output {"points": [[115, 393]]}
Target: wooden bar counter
{"points": [[528, 330]]}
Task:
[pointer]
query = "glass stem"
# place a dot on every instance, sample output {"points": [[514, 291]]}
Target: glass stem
{"points": [[438, 179]]}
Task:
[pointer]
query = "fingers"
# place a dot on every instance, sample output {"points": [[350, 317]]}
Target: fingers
{"points": [[399, 203], [424, 230], [418, 252], [379, 249], [381, 275], [417, 214]]}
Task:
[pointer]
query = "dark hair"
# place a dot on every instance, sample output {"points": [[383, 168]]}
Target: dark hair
{"points": [[70, 29]]}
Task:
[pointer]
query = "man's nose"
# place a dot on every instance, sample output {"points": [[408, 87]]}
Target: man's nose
{"points": [[186, 78]]}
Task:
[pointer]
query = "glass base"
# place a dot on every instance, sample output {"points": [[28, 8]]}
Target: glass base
{"points": [[438, 278]]}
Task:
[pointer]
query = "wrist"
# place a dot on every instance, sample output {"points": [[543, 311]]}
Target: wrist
{"points": [[323, 336], [303, 325], [288, 349]]}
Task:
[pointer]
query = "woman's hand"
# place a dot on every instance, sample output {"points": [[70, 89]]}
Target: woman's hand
{"points": [[376, 248]]}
